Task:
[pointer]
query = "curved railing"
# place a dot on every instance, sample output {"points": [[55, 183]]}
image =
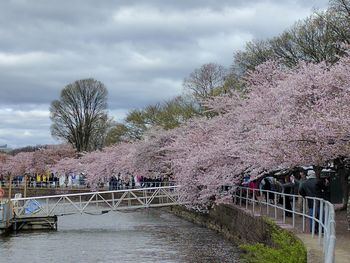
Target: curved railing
{"points": [[320, 220]]}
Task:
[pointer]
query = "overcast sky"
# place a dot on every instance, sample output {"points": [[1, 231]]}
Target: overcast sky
{"points": [[141, 50]]}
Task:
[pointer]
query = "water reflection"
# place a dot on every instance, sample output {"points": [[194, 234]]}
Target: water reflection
{"points": [[141, 236]]}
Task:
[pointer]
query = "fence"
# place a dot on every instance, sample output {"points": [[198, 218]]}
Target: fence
{"points": [[316, 214], [95, 202], [83, 184]]}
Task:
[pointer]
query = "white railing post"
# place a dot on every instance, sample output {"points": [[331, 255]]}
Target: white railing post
{"points": [[313, 222], [321, 222], [276, 205], [304, 210], [267, 199], [253, 201], [326, 223], [240, 197], [330, 257], [293, 208], [247, 198], [284, 208]]}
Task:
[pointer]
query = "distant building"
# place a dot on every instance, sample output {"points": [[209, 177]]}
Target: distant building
{"points": [[4, 148]]}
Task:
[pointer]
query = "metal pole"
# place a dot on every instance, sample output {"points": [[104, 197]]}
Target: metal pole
{"points": [[321, 223], [326, 223], [10, 186], [276, 205], [284, 208], [246, 199], [253, 201], [313, 219], [293, 211], [240, 196], [267, 202], [25, 186], [330, 255], [304, 202]]}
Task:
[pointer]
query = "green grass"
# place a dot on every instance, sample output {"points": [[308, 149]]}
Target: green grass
{"points": [[286, 249]]}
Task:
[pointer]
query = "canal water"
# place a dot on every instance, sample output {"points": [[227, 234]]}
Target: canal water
{"points": [[139, 236]]}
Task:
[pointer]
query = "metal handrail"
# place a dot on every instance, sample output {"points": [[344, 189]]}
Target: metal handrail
{"points": [[55, 185], [95, 202], [323, 214]]}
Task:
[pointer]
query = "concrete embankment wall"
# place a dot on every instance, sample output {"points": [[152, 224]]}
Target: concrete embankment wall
{"points": [[235, 224]]}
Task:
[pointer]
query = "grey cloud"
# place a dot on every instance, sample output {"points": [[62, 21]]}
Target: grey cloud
{"points": [[141, 50], [21, 124]]}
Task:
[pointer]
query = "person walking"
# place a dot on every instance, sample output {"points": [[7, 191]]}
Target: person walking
{"points": [[253, 187], [299, 179], [111, 183], [288, 186], [308, 188], [267, 186]]}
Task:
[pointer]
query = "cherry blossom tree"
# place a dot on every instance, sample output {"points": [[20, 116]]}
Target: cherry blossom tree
{"points": [[3, 159], [301, 116], [100, 165], [288, 118], [47, 156], [18, 164], [151, 157], [39, 161]]}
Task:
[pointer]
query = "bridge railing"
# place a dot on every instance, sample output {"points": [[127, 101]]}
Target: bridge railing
{"points": [[295, 210], [81, 185], [95, 202]]}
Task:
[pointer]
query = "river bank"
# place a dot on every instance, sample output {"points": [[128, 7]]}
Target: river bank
{"points": [[248, 232]]}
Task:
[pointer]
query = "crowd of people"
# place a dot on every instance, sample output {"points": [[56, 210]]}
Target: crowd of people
{"points": [[79, 181], [302, 183], [49, 180], [131, 182]]}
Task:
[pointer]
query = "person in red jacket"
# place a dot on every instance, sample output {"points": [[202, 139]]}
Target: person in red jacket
{"points": [[253, 186]]}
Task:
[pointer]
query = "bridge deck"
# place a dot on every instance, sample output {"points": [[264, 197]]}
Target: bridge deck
{"points": [[95, 202]]}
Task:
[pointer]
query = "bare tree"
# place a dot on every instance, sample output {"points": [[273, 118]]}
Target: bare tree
{"points": [[80, 116], [338, 19], [284, 48], [341, 6], [314, 39], [203, 81], [256, 52]]}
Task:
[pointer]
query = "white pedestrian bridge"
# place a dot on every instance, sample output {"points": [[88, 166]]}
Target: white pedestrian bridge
{"points": [[45, 209], [95, 202]]}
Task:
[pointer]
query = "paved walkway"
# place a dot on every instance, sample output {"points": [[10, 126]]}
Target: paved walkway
{"points": [[342, 245], [315, 253]]}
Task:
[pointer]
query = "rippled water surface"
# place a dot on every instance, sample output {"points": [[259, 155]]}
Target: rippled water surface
{"points": [[141, 236]]}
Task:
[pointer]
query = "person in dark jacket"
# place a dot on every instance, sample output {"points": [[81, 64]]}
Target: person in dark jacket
{"points": [[287, 189], [267, 186], [322, 189], [308, 188]]}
